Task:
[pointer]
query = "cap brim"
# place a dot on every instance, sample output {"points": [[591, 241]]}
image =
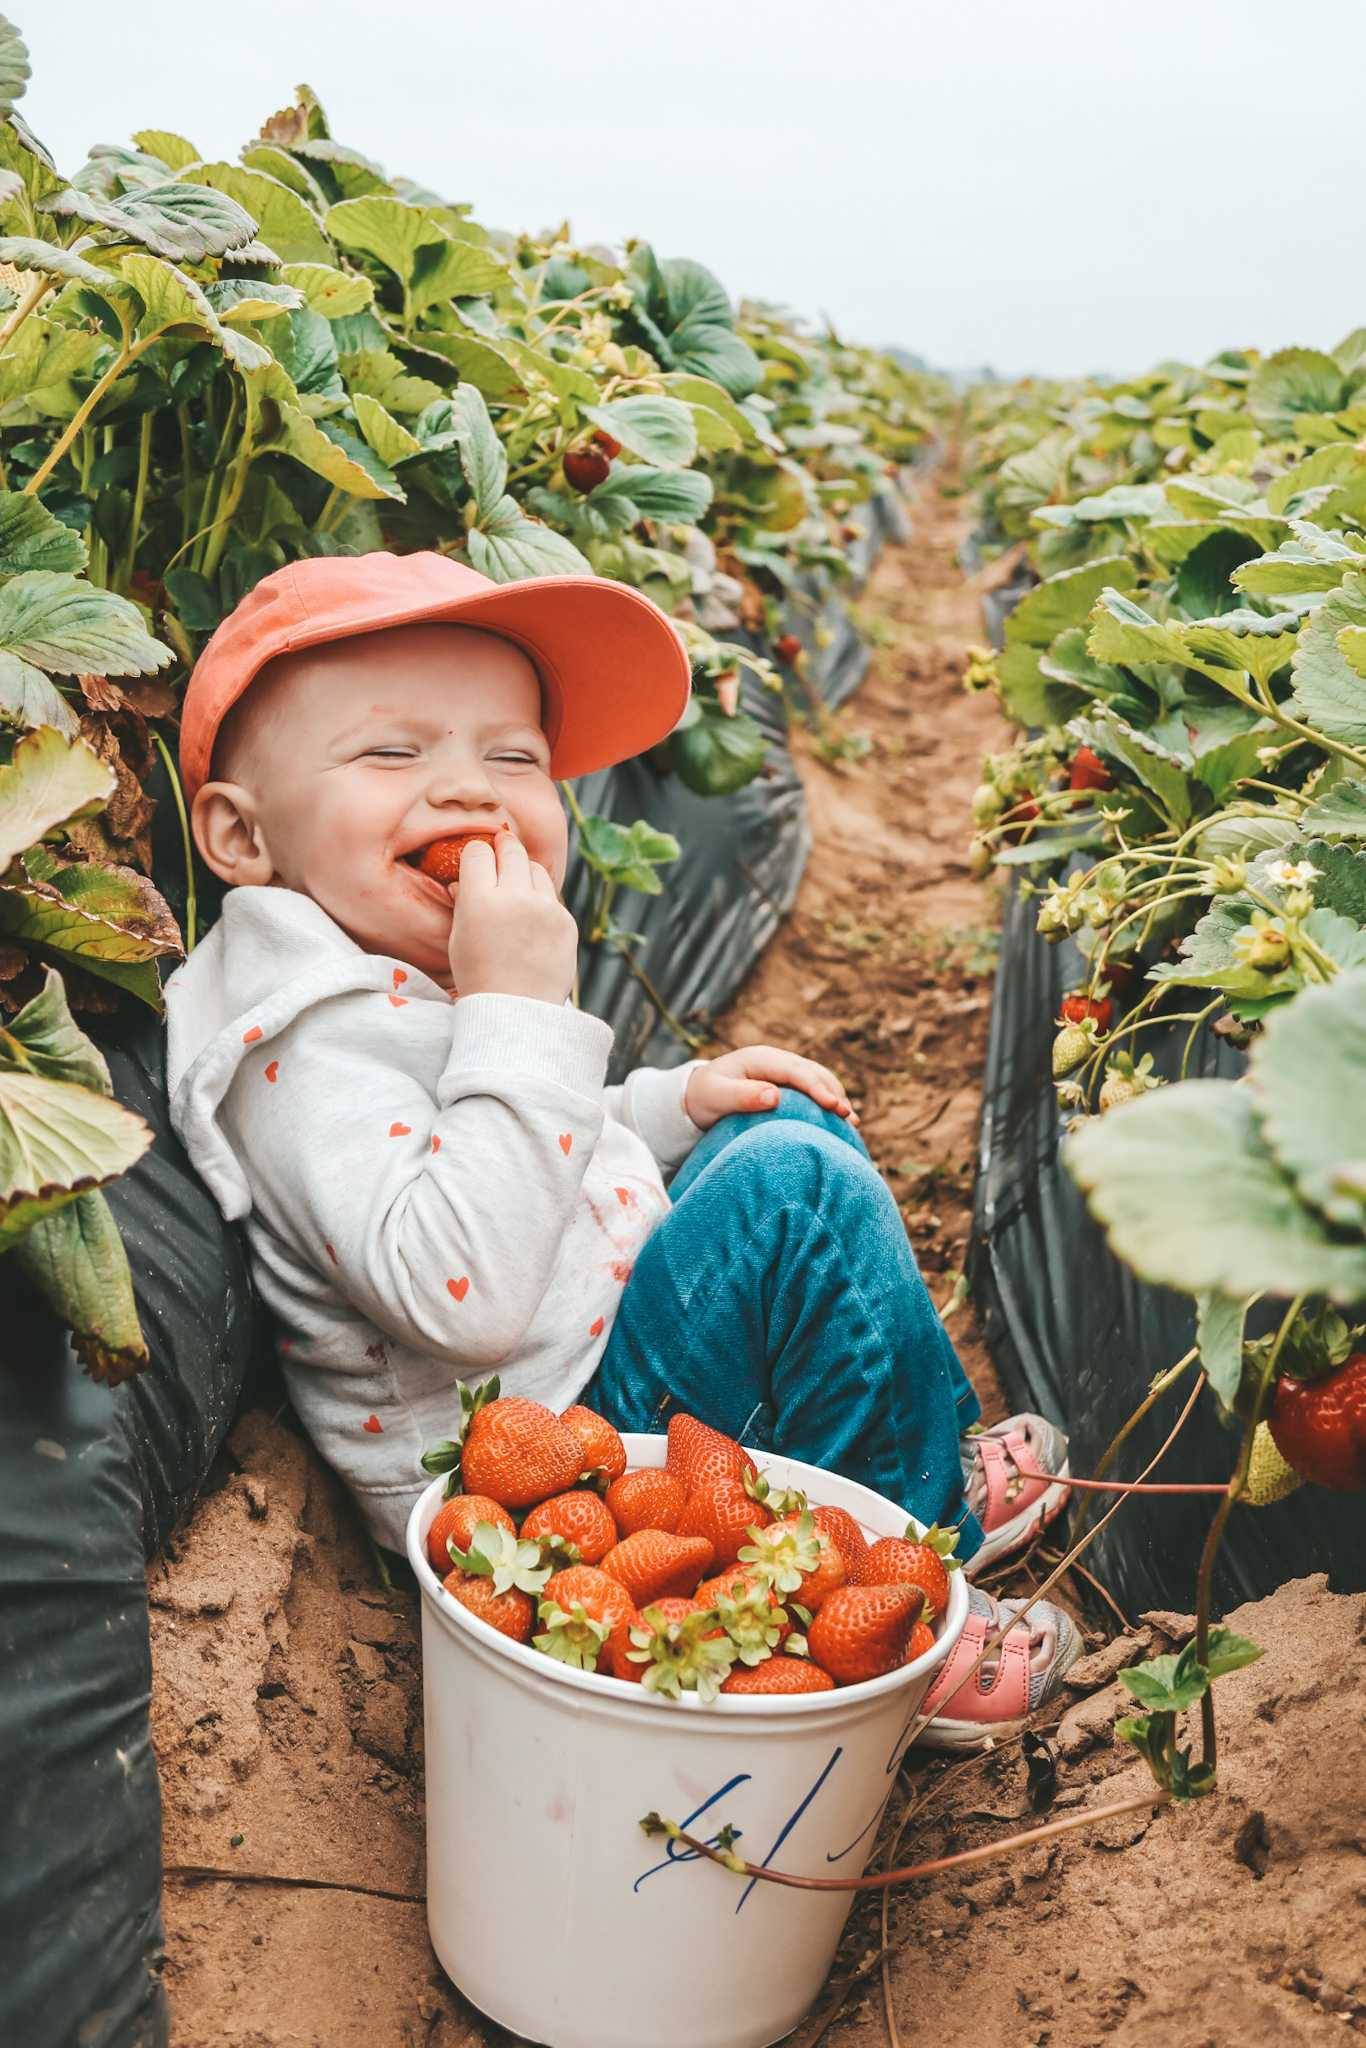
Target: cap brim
{"points": [[615, 670]]}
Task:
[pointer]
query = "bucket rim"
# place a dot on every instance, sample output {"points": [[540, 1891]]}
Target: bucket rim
{"points": [[533, 1664]]}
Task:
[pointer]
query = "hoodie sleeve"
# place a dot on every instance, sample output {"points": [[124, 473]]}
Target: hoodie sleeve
{"points": [[650, 1103], [440, 1220]]}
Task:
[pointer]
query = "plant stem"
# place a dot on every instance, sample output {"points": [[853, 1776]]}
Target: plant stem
{"points": [[178, 793], [32, 298], [1130, 1486], [882, 1880], [1149, 1401], [139, 499], [1209, 1741], [666, 1015], [96, 393]]}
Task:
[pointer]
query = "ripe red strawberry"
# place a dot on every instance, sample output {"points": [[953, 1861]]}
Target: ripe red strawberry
{"points": [[922, 1639], [1088, 771], [578, 1518], [604, 1453], [724, 1513], [441, 860], [582, 1611], [586, 467], [608, 443], [621, 1664], [1319, 1426], [518, 1452], [698, 1454], [895, 1561], [787, 647], [511, 1613], [674, 1649], [652, 1564], [862, 1631], [799, 1559], [779, 1675], [847, 1537], [458, 1518], [648, 1498], [1077, 1007]]}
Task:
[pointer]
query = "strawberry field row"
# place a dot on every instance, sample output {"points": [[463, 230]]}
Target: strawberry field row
{"points": [[1183, 818]]}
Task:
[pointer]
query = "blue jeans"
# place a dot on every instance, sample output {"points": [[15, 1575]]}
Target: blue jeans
{"points": [[780, 1301]]}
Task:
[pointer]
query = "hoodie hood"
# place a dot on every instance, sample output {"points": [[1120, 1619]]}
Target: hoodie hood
{"points": [[272, 955]]}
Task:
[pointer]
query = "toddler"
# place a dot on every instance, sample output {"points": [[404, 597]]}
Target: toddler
{"points": [[384, 1077]]}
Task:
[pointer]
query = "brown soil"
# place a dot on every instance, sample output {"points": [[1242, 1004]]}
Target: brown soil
{"points": [[286, 1702]]}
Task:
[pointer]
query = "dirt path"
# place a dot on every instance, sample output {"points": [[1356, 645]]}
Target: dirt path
{"points": [[286, 1704]]}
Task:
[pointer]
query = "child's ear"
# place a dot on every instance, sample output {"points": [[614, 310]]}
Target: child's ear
{"points": [[230, 841]]}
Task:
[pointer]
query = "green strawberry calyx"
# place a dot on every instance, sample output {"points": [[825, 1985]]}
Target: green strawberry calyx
{"points": [[571, 1635], [787, 1552], [752, 1622], [445, 1456], [682, 1656], [497, 1554]]}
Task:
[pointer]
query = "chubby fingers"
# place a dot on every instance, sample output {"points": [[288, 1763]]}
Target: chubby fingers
{"points": [[771, 1064]]}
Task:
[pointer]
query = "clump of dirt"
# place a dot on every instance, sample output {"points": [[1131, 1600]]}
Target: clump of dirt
{"points": [[1229, 1922]]}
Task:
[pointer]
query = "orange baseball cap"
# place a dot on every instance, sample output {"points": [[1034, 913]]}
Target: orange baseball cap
{"points": [[613, 668]]}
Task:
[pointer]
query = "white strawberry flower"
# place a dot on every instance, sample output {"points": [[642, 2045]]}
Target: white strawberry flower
{"points": [[1291, 874]]}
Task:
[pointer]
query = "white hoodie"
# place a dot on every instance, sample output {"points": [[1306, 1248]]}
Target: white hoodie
{"points": [[434, 1190]]}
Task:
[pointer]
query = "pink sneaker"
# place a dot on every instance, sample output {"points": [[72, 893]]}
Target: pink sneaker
{"points": [[1015, 1476], [1022, 1672]]}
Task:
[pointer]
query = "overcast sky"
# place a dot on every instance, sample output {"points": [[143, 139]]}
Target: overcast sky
{"points": [[1038, 184]]}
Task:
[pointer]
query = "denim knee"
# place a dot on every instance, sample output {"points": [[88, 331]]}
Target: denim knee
{"points": [[809, 1156], [795, 1106]]}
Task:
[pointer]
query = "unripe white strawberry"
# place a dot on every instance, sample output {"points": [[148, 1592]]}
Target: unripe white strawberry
{"points": [[1073, 1044], [1269, 1477]]}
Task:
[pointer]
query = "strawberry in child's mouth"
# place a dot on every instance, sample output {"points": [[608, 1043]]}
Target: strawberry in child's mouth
{"points": [[440, 858]]}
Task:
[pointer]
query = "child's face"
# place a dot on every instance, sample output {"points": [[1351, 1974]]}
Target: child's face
{"points": [[362, 751]]}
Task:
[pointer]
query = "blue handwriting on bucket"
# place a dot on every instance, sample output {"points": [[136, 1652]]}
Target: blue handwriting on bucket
{"points": [[678, 1853]]}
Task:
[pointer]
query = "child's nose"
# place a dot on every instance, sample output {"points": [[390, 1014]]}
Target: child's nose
{"points": [[464, 782]]}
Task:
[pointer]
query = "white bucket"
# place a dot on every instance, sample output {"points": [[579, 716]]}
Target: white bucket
{"points": [[548, 1906]]}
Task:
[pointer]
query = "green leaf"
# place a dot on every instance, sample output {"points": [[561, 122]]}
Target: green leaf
{"points": [[1341, 814], [58, 622], [285, 223], [111, 920], [1308, 1079], [44, 1038], [1219, 1325], [719, 420], [184, 222], [1167, 1685], [1229, 1652], [713, 754], [510, 547], [390, 441], [28, 699], [341, 458], [14, 66], [687, 319], [76, 1261], [48, 781], [242, 298], [171, 149], [31, 537], [446, 268], [1328, 690], [46, 258], [333, 293], [1191, 1198], [1292, 382], [387, 229], [672, 494], [1313, 561], [1145, 759], [1241, 640], [56, 1140], [627, 855], [659, 430], [1066, 599], [487, 365], [481, 452]]}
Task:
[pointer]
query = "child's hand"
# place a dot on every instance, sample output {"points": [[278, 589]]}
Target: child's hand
{"points": [[510, 933], [749, 1080]]}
